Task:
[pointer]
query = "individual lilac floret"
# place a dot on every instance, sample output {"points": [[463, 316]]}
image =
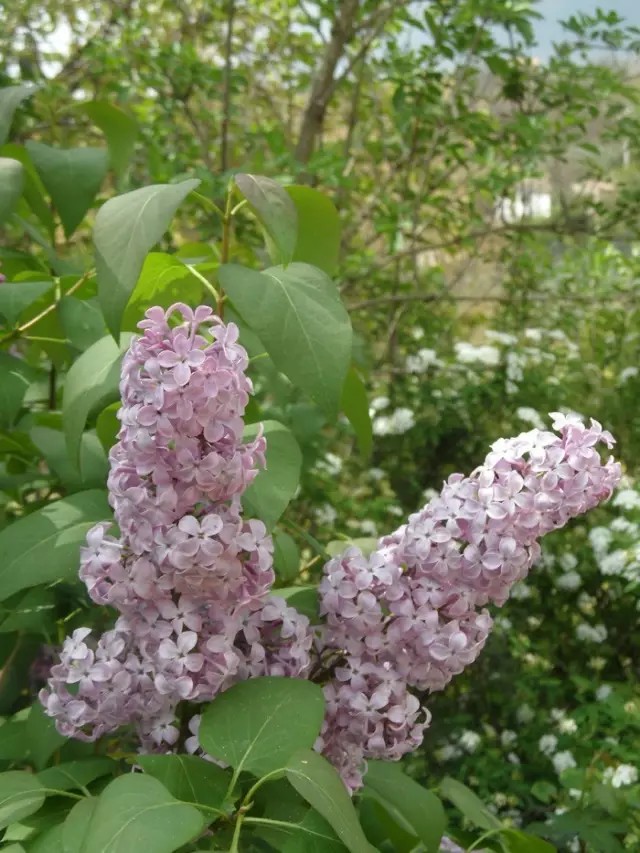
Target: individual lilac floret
{"points": [[189, 576], [410, 616]]}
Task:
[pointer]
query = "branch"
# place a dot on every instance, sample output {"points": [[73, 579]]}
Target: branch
{"points": [[226, 96]]}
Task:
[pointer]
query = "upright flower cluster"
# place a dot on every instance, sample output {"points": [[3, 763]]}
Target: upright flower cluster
{"points": [[189, 576], [410, 616]]}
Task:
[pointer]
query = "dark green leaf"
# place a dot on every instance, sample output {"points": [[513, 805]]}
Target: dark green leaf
{"points": [[11, 184], [108, 426], [17, 296], [297, 314], [72, 177], [136, 812], [355, 405], [188, 778], [42, 735], [44, 546], [314, 836], [303, 598], [93, 468], [126, 228], [257, 725], [520, 842], [163, 281], [76, 825], [81, 321], [10, 98], [33, 191], [319, 783], [21, 794], [318, 240], [14, 743], [92, 382], [15, 378], [120, 130], [269, 494], [469, 804], [76, 774], [31, 613], [286, 556], [419, 809], [275, 211]]}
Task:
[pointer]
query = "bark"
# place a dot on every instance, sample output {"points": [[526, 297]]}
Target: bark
{"points": [[324, 80]]}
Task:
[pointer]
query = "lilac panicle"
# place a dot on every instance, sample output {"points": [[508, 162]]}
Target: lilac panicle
{"points": [[188, 575], [412, 615]]}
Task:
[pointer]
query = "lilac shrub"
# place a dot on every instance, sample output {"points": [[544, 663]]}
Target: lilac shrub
{"points": [[412, 615], [191, 577]]}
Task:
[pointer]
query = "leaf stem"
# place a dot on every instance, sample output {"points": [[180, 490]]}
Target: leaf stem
{"points": [[246, 803], [238, 206], [207, 202], [207, 284], [488, 834], [16, 333], [226, 241]]}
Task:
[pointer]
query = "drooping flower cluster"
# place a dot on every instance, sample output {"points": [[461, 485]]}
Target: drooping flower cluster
{"points": [[411, 615], [189, 576]]}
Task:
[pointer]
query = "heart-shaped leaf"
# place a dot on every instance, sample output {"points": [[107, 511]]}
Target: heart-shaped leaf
{"points": [[269, 494], [276, 212]]}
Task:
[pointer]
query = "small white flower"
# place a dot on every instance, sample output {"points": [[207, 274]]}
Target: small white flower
{"points": [[624, 774], [470, 741], [468, 353], [325, 514], [400, 421], [508, 737], [379, 403], [603, 692], [547, 744], [568, 561], [512, 758], [627, 499], [591, 633], [447, 753], [568, 726], [569, 580], [600, 538], [626, 374], [563, 761], [331, 463], [521, 591], [421, 361], [376, 474], [501, 337], [368, 527], [530, 416], [525, 713]]}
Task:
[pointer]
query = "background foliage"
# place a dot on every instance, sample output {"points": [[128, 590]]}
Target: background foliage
{"points": [[415, 122]]}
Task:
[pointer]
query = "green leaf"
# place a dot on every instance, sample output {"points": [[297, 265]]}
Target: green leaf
{"points": [[15, 378], [126, 228], [29, 613], [10, 98], [469, 804], [120, 130], [81, 321], [72, 177], [76, 774], [42, 735], [17, 296], [108, 426], [188, 778], [520, 842], [93, 469], [76, 825], [50, 841], [286, 556], [11, 184], [13, 740], [419, 809], [303, 598], [43, 546], [33, 191], [382, 830], [355, 405], [319, 783], [21, 794], [318, 240], [164, 280], [275, 211], [92, 382], [135, 812], [269, 494], [297, 314], [258, 724], [315, 835]]}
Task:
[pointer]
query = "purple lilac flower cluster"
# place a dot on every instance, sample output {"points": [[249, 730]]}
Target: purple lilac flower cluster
{"points": [[410, 616], [188, 575]]}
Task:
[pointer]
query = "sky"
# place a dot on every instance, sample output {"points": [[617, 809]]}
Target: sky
{"points": [[548, 29]]}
